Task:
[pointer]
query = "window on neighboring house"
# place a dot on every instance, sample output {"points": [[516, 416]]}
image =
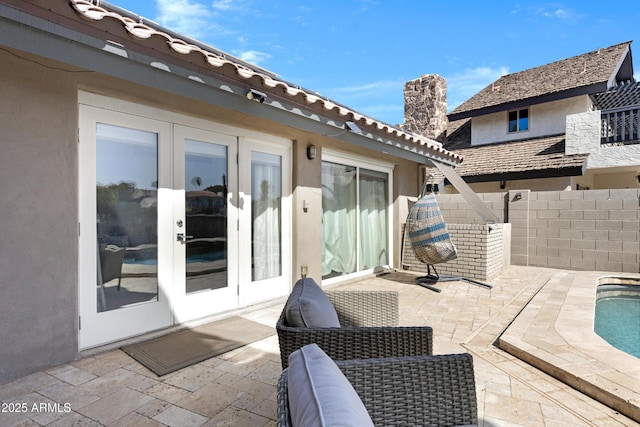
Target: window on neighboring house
{"points": [[519, 120]]}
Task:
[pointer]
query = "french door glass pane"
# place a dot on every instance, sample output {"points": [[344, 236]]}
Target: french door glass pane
{"points": [[373, 219], [266, 211], [206, 215], [339, 219], [126, 214]]}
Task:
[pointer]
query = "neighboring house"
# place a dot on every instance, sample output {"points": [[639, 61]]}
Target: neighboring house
{"points": [[570, 124], [149, 180]]}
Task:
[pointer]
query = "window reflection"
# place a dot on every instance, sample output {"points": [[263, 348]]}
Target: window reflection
{"points": [[126, 214], [206, 215]]}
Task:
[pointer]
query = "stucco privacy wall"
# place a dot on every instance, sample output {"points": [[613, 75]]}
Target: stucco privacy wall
{"points": [[580, 230]]}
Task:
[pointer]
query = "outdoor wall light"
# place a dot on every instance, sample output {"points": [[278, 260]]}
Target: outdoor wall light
{"points": [[312, 151], [256, 95]]}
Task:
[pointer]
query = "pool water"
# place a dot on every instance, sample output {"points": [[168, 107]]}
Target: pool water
{"points": [[617, 317], [204, 257]]}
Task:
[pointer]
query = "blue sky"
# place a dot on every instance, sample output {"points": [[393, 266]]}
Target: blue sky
{"points": [[361, 52]]}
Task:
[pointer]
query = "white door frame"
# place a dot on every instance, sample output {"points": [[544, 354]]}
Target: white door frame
{"points": [[261, 290]]}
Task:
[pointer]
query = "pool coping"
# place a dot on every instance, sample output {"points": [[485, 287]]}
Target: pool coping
{"points": [[550, 334]]}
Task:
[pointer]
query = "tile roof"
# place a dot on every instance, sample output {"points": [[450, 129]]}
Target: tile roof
{"points": [[534, 157], [218, 62], [585, 70]]}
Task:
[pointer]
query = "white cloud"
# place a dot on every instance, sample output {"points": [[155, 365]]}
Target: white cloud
{"points": [[253, 56], [185, 17], [368, 88], [463, 86], [229, 5], [558, 12]]}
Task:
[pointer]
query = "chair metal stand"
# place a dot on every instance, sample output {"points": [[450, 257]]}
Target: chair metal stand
{"points": [[428, 280]]}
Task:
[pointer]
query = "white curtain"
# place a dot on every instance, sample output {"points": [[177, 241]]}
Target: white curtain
{"points": [[266, 197], [338, 219], [373, 219]]}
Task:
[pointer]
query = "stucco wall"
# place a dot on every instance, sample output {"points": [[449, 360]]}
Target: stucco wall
{"points": [[544, 119], [38, 175]]}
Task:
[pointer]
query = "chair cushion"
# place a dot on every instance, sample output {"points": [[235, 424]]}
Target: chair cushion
{"points": [[320, 394], [308, 306]]}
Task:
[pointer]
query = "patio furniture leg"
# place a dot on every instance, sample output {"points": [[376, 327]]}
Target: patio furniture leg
{"points": [[428, 280]]}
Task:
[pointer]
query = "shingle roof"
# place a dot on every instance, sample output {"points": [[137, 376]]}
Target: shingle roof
{"points": [[527, 158], [585, 70], [226, 65]]}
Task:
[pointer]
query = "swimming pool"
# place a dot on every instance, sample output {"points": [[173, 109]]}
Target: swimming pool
{"points": [[617, 316]]}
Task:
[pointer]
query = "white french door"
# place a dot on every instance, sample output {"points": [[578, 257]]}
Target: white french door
{"points": [[179, 219], [265, 218], [205, 266], [126, 216]]}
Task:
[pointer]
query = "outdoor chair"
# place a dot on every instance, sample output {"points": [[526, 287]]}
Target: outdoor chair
{"points": [[409, 391], [366, 325], [431, 242]]}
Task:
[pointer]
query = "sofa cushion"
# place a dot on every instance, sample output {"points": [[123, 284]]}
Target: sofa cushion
{"points": [[320, 394], [308, 306]]}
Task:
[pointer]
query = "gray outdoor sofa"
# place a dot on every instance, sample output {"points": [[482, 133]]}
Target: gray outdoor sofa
{"points": [[409, 391], [366, 325]]}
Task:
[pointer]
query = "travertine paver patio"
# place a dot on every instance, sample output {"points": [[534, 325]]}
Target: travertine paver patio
{"points": [[238, 388]]}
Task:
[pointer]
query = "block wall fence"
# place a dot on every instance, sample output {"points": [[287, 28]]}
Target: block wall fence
{"points": [[483, 252], [578, 230]]}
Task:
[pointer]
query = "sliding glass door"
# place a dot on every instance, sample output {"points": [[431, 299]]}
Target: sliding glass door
{"points": [[355, 216]]}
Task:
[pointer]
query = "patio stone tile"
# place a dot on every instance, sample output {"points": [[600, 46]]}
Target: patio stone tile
{"points": [[136, 420], [115, 406], [104, 363], [167, 392], [517, 411], [210, 400], [234, 417], [153, 408], [75, 376], [109, 383], [76, 420], [67, 393], [174, 416], [25, 385], [194, 377], [267, 408]]}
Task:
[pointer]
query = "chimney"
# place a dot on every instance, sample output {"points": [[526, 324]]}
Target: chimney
{"points": [[425, 107]]}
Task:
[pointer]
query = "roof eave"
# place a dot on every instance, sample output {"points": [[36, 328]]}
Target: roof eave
{"points": [[554, 96], [529, 174]]}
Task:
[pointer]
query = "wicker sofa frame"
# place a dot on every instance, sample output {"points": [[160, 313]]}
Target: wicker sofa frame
{"points": [[410, 391], [369, 329]]}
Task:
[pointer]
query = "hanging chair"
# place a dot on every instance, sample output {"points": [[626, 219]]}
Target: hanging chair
{"points": [[430, 240], [428, 233]]}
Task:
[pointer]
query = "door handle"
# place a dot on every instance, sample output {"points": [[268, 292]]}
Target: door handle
{"points": [[182, 238]]}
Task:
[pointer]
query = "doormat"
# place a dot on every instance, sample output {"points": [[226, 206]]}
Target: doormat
{"points": [[178, 350]]}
